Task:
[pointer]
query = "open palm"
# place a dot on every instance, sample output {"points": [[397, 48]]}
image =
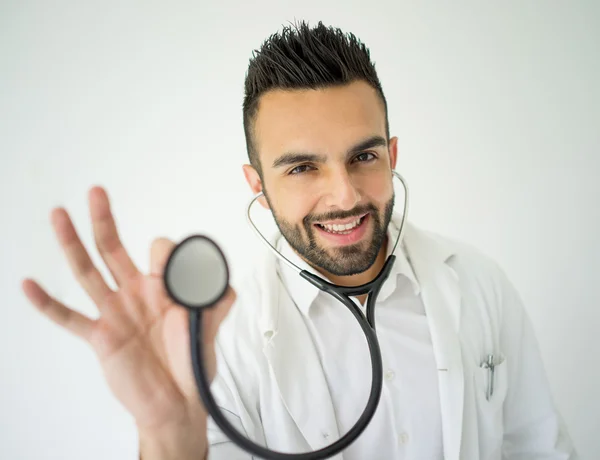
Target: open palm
{"points": [[141, 337]]}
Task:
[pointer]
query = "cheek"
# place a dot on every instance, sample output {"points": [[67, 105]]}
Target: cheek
{"points": [[380, 191], [293, 206]]}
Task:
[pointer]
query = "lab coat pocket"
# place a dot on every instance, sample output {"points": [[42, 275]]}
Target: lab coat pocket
{"points": [[490, 409]]}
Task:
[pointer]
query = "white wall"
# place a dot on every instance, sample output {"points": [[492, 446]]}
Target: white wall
{"points": [[496, 105]]}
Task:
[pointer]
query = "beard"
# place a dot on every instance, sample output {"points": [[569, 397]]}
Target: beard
{"points": [[341, 261]]}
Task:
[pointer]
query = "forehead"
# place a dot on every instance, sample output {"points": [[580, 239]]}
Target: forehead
{"points": [[323, 121]]}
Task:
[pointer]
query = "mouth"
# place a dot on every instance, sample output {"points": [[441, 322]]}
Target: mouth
{"points": [[347, 232]]}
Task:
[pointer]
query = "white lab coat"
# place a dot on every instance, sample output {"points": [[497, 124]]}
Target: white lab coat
{"points": [[271, 385]]}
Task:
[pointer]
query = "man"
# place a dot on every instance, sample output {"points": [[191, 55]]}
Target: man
{"points": [[293, 366]]}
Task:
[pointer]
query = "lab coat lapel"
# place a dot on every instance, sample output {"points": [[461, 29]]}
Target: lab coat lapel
{"points": [[296, 365], [441, 297]]}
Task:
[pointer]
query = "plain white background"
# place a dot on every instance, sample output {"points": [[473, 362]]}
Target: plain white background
{"points": [[496, 106]]}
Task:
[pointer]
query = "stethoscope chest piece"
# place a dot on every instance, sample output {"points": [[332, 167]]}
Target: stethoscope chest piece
{"points": [[196, 274]]}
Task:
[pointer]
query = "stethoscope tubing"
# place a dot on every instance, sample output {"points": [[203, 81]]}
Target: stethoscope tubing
{"points": [[341, 293]]}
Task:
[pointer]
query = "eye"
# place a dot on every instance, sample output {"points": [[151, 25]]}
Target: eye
{"points": [[365, 157], [299, 169]]}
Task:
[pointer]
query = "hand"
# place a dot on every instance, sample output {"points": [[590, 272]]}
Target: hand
{"points": [[141, 337]]}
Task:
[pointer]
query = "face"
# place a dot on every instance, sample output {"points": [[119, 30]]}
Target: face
{"points": [[326, 173]]}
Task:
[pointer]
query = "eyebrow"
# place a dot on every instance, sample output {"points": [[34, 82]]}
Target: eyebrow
{"points": [[292, 158]]}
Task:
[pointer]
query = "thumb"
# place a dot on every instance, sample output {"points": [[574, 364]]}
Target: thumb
{"points": [[159, 254], [214, 316], [177, 341]]}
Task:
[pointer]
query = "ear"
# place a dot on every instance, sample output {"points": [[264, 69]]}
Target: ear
{"points": [[253, 179], [393, 148]]}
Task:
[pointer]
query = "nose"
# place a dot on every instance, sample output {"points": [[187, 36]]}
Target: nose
{"points": [[343, 193]]}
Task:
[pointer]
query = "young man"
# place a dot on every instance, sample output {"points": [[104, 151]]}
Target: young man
{"points": [[294, 368]]}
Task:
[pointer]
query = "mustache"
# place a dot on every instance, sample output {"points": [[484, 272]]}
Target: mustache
{"points": [[333, 215]]}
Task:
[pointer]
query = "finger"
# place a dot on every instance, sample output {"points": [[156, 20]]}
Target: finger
{"points": [[159, 254], [107, 238], [79, 260], [155, 291], [73, 321]]}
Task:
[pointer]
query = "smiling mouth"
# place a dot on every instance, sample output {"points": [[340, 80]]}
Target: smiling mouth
{"points": [[342, 229]]}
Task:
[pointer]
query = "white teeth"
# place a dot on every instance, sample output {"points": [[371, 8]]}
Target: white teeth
{"points": [[341, 228]]}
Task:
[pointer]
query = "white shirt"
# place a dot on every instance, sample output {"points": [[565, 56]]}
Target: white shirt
{"points": [[407, 424]]}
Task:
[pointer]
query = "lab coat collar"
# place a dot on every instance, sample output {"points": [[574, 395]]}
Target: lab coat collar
{"points": [[282, 335], [304, 294]]}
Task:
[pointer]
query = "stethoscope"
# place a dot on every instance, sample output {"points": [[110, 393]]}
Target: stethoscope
{"points": [[196, 276]]}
